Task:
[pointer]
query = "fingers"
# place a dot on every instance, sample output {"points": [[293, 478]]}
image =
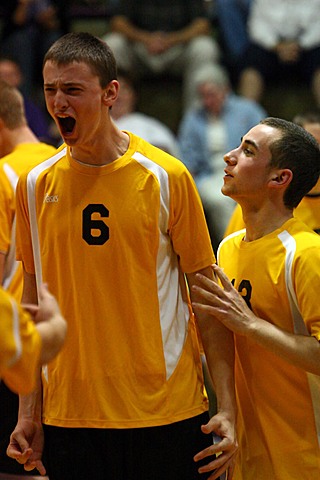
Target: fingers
{"points": [[25, 458], [44, 292], [205, 288], [18, 448], [48, 305], [31, 465], [218, 465], [212, 286], [32, 309], [20, 457], [224, 279]]}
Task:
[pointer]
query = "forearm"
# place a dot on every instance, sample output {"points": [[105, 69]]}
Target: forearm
{"points": [[227, 306], [218, 345], [303, 351], [121, 25], [30, 406], [199, 27]]}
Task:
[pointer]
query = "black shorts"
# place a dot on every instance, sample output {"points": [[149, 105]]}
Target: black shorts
{"points": [[153, 453]]}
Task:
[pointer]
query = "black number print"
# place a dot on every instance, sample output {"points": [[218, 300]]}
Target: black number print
{"points": [[90, 225], [245, 289]]}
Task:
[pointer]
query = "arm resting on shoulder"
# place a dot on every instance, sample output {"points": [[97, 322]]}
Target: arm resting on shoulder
{"points": [[218, 346], [228, 307]]}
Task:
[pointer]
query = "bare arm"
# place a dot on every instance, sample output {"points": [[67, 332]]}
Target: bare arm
{"points": [[2, 261], [124, 26], [162, 40], [226, 305], [219, 350], [26, 441], [200, 26]]}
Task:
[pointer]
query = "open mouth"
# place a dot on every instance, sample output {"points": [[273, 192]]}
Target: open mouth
{"points": [[66, 124]]}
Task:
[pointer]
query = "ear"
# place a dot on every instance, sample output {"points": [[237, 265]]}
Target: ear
{"points": [[280, 178], [110, 93]]}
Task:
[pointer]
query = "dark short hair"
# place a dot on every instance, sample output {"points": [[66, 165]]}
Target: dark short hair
{"points": [[298, 151], [84, 47]]}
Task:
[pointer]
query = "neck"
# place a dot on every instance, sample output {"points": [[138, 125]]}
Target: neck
{"points": [[262, 221], [22, 135], [103, 152]]}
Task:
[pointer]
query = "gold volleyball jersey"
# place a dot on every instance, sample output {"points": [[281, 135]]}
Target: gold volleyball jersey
{"points": [[111, 242], [308, 211], [279, 404], [11, 167], [20, 345]]}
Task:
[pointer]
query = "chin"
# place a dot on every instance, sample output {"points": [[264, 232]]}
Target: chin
{"points": [[224, 191]]}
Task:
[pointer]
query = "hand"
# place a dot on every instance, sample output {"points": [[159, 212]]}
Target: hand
{"points": [[26, 445], [223, 303], [157, 43], [47, 308], [51, 325], [225, 449], [288, 51]]}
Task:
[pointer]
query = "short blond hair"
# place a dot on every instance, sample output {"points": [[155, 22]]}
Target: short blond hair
{"points": [[12, 111]]}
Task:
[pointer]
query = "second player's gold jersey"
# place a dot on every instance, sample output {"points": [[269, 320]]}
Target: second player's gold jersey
{"points": [[11, 167], [279, 407]]}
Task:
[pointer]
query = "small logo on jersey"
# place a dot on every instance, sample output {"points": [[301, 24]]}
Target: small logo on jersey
{"points": [[50, 198]]}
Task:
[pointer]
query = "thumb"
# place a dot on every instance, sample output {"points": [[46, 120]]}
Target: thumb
{"points": [[208, 427], [18, 447]]}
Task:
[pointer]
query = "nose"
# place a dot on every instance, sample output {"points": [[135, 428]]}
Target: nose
{"points": [[230, 158], [60, 101]]}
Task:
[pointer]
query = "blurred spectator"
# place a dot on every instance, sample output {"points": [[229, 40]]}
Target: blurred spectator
{"points": [[231, 17], [128, 118], [168, 37], [284, 43], [206, 133], [37, 119], [29, 28]]}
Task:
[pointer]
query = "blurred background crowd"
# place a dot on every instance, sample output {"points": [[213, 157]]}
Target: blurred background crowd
{"points": [[197, 74]]}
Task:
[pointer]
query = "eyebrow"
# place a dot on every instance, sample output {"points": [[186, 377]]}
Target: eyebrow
{"points": [[250, 142]]}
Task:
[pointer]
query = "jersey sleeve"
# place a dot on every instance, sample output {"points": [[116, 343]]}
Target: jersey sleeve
{"points": [[6, 212], [306, 285], [188, 227], [20, 346]]}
